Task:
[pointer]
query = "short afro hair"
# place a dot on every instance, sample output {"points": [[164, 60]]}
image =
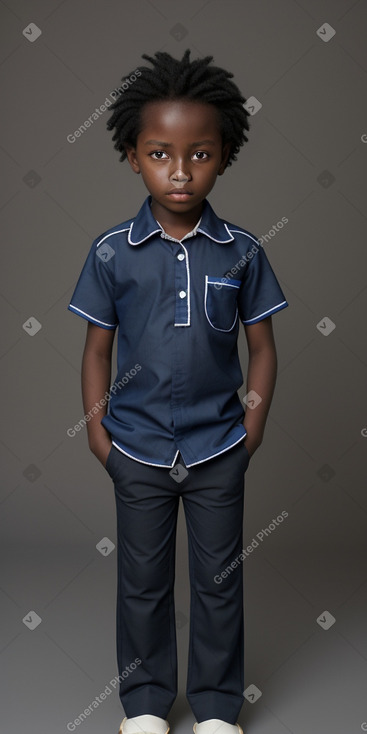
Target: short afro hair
{"points": [[170, 79]]}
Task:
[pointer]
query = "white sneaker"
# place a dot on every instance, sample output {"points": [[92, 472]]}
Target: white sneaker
{"points": [[145, 724], [216, 726]]}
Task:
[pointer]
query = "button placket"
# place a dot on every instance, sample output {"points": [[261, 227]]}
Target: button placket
{"points": [[182, 289]]}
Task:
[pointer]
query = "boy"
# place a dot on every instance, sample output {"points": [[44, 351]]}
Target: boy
{"points": [[176, 280]]}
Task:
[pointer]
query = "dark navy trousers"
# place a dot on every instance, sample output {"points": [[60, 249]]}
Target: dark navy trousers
{"points": [[147, 501]]}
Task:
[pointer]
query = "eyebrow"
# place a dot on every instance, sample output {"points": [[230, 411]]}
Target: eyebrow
{"points": [[169, 145]]}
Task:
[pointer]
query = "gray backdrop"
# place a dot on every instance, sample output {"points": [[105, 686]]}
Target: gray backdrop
{"points": [[306, 579]]}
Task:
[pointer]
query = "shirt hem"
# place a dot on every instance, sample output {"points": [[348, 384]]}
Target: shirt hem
{"points": [[213, 456], [170, 466], [148, 463]]}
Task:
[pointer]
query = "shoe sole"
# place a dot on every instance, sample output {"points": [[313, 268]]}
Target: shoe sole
{"points": [[142, 732], [240, 730]]}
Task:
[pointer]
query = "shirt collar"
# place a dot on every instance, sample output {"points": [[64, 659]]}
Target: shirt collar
{"points": [[144, 225]]}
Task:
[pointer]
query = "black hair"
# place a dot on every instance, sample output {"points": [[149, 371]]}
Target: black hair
{"points": [[170, 79]]}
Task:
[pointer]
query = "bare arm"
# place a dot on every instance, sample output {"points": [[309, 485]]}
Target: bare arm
{"points": [[96, 380], [261, 377]]}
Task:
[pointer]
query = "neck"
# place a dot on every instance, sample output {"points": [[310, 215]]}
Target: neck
{"points": [[176, 224]]}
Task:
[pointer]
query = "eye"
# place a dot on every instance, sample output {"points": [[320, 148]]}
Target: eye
{"points": [[157, 155], [202, 155]]}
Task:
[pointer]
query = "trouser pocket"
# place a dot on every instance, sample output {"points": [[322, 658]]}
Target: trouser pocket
{"points": [[110, 461]]}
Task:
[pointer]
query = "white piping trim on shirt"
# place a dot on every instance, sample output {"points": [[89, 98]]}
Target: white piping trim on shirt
{"points": [[170, 466], [218, 454], [221, 281], [154, 231], [147, 463], [213, 238], [270, 310], [91, 318], [246, 234], [110, 235], [229, 285], [193, 232]]}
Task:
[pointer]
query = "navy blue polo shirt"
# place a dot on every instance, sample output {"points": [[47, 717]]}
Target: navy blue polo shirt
{"points": [[177, 305]]}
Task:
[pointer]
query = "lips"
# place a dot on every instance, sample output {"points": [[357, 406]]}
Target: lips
{"points": [[179, 192]]}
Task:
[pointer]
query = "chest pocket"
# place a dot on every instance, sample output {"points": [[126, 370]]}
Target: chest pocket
{"points": [[220, 302]]}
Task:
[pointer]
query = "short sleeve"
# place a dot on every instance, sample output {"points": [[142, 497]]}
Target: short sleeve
{"points": [[260, 294], [93, 297]]}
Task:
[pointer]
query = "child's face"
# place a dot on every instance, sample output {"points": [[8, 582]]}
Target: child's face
{"points": [[179, 153]]}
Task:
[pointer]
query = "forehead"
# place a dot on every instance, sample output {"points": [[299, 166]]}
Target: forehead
{"points": [[182, 117]]}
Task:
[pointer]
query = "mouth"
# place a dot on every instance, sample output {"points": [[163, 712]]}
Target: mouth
{"points": [[179, 193]]}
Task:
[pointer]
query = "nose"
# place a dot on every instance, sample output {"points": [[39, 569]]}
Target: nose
{"points": [[178, 179]]}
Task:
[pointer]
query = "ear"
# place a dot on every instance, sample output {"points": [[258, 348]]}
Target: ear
{"points": [[225, 155], [132, 158]]}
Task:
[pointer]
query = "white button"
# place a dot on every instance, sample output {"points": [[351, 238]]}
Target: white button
{"points": [[182, 294], [181, 256]]}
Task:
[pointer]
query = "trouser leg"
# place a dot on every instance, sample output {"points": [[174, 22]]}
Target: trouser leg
{"points": [[213, 500], [146, 506]]}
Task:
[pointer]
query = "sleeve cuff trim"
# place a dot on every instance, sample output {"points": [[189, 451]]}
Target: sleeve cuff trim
{"points": [[88, 317], [263, 315]]}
